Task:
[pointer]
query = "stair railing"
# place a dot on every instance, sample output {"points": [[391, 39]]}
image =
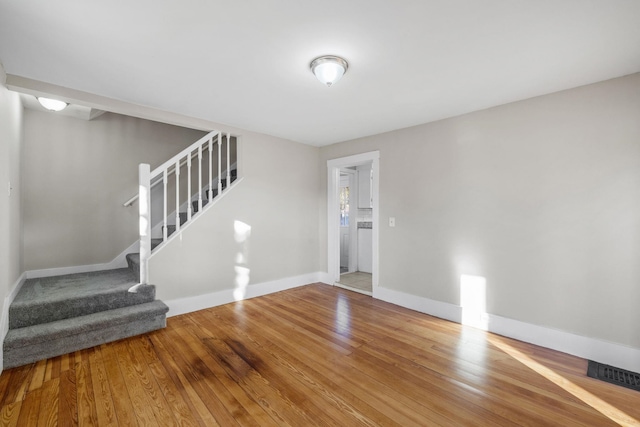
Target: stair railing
{"points": [[171, 170]]}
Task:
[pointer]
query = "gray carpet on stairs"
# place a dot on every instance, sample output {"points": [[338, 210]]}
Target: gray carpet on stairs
{"points": [[57, 315], [27, 345], [55, 298]]}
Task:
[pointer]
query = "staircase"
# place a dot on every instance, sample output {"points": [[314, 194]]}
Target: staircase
{"points": [[184, 216], [57, 315]]}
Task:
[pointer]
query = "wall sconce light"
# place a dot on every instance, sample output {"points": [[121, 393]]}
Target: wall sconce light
{"points": [[52, 104]]}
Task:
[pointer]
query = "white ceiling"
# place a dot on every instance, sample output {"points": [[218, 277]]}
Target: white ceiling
{"points": [[245, 63]]}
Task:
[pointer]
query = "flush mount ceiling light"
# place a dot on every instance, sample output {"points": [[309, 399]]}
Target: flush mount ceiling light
{"points": [[52, 104], [329, 69]]}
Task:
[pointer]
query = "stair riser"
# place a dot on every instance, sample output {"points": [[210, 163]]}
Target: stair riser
{"points": [[23, 316], [28, 354], [133, 261]]}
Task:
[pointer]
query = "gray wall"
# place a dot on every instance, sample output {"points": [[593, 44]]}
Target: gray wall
{"points": [[540, 197], [278, 199], [78, 174], [10, 206]]}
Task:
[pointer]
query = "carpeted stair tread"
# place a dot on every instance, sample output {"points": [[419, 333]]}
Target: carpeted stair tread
{"points": [[68, 285], [38, 342], [21, 337], [49, 299]]}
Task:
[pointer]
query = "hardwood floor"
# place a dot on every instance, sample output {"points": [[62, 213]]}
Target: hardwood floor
{"points": [[315, 355]]}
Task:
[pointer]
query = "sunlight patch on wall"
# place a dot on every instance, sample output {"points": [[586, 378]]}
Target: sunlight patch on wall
{"points": [[242, 232], [241, 283], [473, 300]]}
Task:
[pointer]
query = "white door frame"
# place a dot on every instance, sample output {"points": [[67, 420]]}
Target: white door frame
{"points": [[333, 217]]}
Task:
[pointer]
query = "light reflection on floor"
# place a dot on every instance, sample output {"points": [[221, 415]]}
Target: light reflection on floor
{"points": [[343, 316], [595, 402], [470, 349]]}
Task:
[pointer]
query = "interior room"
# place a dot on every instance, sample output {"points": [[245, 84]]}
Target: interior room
{"points": [[343, 213]]}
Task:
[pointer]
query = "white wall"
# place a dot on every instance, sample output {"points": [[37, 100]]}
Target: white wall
{"points": [[277, 199], [78, 174], [10, 205], [540, 197]]}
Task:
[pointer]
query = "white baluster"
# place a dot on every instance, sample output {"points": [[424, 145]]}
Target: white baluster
{"points": [[177, 195], [189, 186], [200, 178], [220, 165], [211, 169], [144, 202], [228, 160], [164, 216]]}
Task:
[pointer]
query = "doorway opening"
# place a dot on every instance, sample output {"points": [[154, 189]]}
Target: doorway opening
{"points": [[353, 222], [348, 221]]}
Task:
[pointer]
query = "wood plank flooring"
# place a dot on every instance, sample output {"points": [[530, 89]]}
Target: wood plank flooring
{"points": [[313, 356]]}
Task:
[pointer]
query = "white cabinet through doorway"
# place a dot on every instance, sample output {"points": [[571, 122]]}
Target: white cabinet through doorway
{"points": [[365, 254], [365, 195]]}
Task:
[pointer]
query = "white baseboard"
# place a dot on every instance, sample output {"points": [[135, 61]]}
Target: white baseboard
{"points": [[609, 353], [120, 261], [349, 288], [613, 354], [4, 316], [439, 309], [200, 302], [325, 277]]}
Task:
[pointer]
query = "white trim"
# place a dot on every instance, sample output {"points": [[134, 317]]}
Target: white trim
{"points": [[120, 261], [16, 287], [609, 353], [435, 308], [606, 352], [324, 277], [333, 226], [355, 160], [4, 316], [349, 288], [200, 302]]}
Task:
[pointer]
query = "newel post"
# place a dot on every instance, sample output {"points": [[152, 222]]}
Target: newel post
{"points": [[144, 202]]}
